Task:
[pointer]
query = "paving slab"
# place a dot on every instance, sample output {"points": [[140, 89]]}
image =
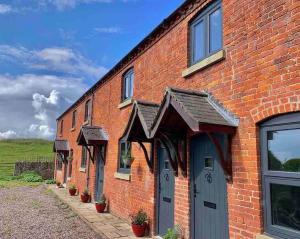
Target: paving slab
{"points": [[106, 225]]}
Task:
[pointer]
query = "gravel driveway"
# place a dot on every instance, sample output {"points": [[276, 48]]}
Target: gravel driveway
{"points": [[34, 212]]}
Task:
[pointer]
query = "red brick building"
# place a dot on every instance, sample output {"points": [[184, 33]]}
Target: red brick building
{"points": [[198, 125]]}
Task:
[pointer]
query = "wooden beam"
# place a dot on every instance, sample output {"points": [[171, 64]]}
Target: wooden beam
{"points": [[148, 160], [224, 160]]}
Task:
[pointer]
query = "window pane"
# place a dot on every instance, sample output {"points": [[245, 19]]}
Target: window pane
{"points": [[284, 150], [199, 41], [208, 163], [215, 31], [122, 158], [131, 85], [285, 206]]}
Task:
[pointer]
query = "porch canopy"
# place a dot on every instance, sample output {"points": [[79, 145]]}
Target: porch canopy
{"points": [[62, 148], [187, 112], [92, 136], [139, 124], [140, 121], [181, 110]]}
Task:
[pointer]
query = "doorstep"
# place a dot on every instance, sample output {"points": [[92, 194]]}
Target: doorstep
{"points": [[105, 224]]}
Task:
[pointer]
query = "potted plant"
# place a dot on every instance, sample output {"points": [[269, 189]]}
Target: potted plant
{"points": [[171, 234], [58, 183], [127, 158], [139, 223], [72, 190], [85, 196], [101, 204]]}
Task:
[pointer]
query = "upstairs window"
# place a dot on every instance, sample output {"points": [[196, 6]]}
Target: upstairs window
{"points": [[74, 119], [127, 85], [206, 33], [83, 157], [125, 157], [87, 111], [61, 126]]}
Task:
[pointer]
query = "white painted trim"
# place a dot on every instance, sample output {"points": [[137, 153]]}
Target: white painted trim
{"points": [[125, 103], [262, 236], [122, 176], [218, 56]]}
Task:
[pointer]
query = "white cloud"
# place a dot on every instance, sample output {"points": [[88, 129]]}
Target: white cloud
{"points": [[108, 29], [60, 60], [9, 134], [31, 103], [64, 4], [5, 9]]}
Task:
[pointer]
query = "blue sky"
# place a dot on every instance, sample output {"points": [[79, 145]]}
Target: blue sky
{"points": [[51, 51]]}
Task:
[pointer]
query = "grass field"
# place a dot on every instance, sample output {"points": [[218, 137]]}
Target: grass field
{"points": [[22, 149]]}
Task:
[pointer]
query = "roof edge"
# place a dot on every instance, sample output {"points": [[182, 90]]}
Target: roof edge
{"points": [[168, 23]]}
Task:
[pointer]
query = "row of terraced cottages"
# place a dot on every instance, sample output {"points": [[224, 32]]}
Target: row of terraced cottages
{"points": [[199, 125]]}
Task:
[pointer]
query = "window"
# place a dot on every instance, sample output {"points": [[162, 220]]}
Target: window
{"points": [[61, 126], [127, 85], [59, 160], [206, 33], [280, 150], [124, 157], [74, 119], [70, 163], [83, 157], [87, 111]]}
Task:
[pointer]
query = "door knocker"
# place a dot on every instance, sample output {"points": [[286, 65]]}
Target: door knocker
{"points": [[166, 176], [208, 177]]}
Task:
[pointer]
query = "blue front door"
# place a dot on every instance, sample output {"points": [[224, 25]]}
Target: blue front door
{"points": [[99, 151], [209, 197], [165, 194]]}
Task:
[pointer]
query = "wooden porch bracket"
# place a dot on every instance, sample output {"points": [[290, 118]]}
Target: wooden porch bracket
{"points": [[226, 162], [90, 154], [171, 151], [149, 160]]}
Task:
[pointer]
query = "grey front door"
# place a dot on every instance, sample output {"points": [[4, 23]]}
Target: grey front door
{"points": [[209, 193], [165, 195], [99, 151]]}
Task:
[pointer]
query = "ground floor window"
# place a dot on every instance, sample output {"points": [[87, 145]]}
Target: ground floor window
{"points": [[83, 157], [280, 151], [125, 157]]}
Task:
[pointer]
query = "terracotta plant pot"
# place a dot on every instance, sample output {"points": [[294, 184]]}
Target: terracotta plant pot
{"points": [[58, 184], [72, 191], [84, 198], [139, 230], [100, 207]]}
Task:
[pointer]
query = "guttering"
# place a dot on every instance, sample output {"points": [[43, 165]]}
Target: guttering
{"points": [[164, 27]]}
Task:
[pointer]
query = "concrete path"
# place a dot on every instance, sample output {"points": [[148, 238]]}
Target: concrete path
{"points": [[105, 224]]}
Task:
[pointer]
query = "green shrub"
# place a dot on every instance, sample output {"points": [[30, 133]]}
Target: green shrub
{"points": [[140, 218], [171, 234], [50, 181], [31, 177]]}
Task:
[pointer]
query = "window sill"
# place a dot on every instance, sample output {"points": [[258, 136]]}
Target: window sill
{"points": [[122, 176], [220, 55], [72, 129], [82, 170], [125, 103], [262, 236], [85, 123]]}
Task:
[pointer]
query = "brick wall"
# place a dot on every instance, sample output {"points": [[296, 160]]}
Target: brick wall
{"points": [[259, 78]]}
